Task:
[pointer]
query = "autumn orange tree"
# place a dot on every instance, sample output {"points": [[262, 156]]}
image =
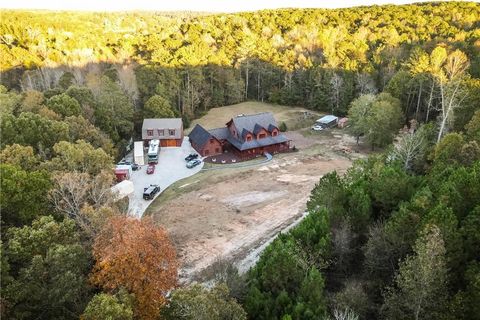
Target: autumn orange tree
{"points": [[138, 256]]}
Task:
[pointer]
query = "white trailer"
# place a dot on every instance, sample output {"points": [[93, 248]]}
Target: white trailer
{"points": [[138, 156]]}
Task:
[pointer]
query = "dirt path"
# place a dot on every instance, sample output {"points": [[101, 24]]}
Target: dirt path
{"points": [[231, 217]]}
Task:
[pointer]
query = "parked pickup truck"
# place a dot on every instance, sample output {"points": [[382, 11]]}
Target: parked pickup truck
{"points": [[150, 192]]}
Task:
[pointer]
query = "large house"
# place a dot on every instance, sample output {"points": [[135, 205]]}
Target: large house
{"points": [[245, 135], [168, 130]]}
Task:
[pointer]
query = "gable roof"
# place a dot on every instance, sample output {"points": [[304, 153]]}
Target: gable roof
{"points": [[258, 128], [200, 136], [163, 123], [271, 127], [244, 133], [249, 122]]}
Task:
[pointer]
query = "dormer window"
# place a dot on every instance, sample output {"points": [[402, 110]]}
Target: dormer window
{"points": [[274, 133], [249, 138], [261, 135], [150, 132]]}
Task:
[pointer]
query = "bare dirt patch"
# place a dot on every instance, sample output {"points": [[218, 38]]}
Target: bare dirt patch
{"points": [[228, 214]]}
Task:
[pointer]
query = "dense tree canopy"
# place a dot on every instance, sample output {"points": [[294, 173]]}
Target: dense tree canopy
{"points": [[197, 303], [49, 271], [23, 195]]}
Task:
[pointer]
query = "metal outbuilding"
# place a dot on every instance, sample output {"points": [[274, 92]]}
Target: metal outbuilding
{"points": [[327, 121]]}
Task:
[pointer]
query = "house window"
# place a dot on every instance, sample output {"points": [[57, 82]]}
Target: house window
{"points": [[274, 133], [212, 141], [261, 135], [150, 132], [207, 152], [171, 132], [161, 132], [249, 138], [217, 150]]}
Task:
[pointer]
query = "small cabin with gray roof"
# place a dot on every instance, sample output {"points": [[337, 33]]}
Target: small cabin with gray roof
{"points": [[246, 135]]}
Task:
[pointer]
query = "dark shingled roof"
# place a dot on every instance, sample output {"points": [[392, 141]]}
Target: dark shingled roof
{"points": [[256, 143], [220, 133], [271, 127], [248, 122], [199, 136], [244, 133], [257, 129], [244, 124]]}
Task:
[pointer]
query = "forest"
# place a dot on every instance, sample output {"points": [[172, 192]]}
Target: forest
{"points": [[396, 237]]}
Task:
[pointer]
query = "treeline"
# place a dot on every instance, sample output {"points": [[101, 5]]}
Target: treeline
{"points": [[320, 59]]}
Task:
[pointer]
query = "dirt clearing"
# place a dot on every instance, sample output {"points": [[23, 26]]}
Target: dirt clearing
{"points": [[229, 214]]}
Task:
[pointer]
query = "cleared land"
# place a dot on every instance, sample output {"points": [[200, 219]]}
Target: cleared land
{"points": [[229, 213]]}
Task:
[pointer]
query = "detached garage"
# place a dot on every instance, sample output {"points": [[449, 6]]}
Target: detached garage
{"points": [[168, 130]]}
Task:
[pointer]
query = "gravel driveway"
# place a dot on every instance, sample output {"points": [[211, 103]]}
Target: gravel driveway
{"points": [[170, 168]]}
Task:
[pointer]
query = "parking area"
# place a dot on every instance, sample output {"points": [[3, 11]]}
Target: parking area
{"points": [[170, 168]]}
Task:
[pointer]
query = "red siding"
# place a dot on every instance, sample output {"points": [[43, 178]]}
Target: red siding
{"points": [[263, 131], [212, 147], [252, 153], [232, 129]]}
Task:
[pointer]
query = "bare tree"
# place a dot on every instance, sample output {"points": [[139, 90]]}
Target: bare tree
{"points": [[128, 81], [365, 83], [409, 148], [78, 75], [346, 314], [70, 193], [337, 83], [99, 192], [81, 196], [343, 238], [450, 80]]}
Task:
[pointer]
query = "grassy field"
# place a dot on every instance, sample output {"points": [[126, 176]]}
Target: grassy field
{"points": [[294, 117]]}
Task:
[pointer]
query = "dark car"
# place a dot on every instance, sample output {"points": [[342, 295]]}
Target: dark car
{"points": [[150, 191], [191, 156], [150, 169], [135, 167], [193, 163], [124, 162]]}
